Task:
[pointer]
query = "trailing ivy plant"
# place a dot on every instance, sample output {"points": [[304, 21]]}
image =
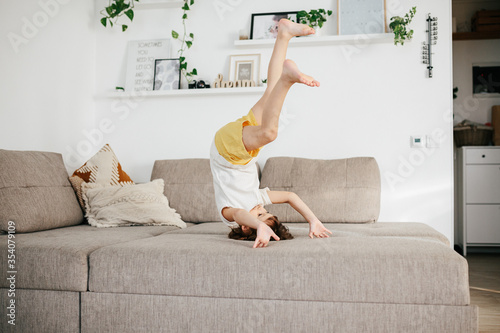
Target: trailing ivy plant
{"points": [[399, 24], [314, 18], [186, 42], [116, 9]]}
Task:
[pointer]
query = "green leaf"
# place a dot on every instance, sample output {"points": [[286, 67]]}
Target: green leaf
{"points": [[109, 10], [185, 7], [189, 44], [185, 16], [124, 27], [175, 35], [104, 21], [330, 13], [130, 14], [182, 59], [184, 65], [195, 72], [191, 2], [191, 35]]}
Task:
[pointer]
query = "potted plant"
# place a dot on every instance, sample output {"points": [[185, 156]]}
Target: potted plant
{"points": [[399, 24], [115, 10], [315, 18]]}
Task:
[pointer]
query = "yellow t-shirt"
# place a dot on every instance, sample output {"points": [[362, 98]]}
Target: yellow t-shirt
{"points": [[229, 141]]}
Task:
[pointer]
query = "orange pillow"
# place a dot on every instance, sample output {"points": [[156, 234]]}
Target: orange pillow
{"points": [[103, 168]]}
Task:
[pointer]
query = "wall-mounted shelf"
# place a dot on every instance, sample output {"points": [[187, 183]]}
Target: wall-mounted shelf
{"points": [[476, 35], [187, 92], [159, 4], [321, 40]]}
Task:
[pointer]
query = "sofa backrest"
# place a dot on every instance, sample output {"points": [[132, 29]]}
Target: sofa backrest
{"points": [[35, 192], [343, 190], [188, 188]]}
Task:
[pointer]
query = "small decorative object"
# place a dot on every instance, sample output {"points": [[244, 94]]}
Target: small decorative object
{"points": [[468, 133], [198, 85], [167, 74], [141, 57], [244, 67], [186, 42], [115, 10], [265, 25], [243, 34], [399, 24], [264, 83], [220, 83], [192, 85], [431, 40], [361, 17], [314, 18]]}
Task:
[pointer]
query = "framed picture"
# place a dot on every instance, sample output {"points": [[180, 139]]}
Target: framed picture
{"points": [[265, 25], [167, 74], [245, 67], [361, 17], [141, 55]]}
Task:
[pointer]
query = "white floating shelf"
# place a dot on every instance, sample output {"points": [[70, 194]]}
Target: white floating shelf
{"points": [[159, 4], [322, 40], [187, 92]]}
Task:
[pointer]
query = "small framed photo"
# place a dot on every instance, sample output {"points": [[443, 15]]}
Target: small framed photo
{"points": [[167, 74], [265, 25], [245, 67]]}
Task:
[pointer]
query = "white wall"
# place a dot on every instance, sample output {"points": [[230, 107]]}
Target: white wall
{"points": [[47, 61], [53, 97], [368, 105]]}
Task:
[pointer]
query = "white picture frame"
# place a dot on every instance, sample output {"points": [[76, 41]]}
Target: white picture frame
{"points": [[141, 56], [361, 17], [244, 67], [167, 74]]}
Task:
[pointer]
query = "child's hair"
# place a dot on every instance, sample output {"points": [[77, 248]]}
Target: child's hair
{"points": [[279, 229]]}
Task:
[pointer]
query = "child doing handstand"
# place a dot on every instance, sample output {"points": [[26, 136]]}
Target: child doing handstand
{"points": [[233, 155]]}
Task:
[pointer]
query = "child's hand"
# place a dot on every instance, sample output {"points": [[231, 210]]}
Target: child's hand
{"points": [[264, 234], [317, 229]]}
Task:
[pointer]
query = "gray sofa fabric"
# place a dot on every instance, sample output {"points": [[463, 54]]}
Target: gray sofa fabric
{"points": [[57, 259], [189, 188], [126, 313], [344, 190], [35, 192], [350, 266], [42, 311]]}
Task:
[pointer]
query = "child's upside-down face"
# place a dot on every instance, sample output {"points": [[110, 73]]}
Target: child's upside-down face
{"points": [[260, 213]]}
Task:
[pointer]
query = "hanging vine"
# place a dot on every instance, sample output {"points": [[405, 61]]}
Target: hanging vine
{"points": [[186, 42]]}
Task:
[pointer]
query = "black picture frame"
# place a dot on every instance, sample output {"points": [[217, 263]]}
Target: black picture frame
{"points": [[167, 74], [262, 23]]}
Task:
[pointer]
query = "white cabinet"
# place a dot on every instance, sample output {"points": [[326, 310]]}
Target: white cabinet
{"points": [[478, 196]]}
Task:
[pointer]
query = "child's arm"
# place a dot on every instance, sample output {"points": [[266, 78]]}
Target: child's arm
{"points": [[244, 218], [316, 228]]}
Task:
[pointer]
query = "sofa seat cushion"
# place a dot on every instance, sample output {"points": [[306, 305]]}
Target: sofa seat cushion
{"points": [[408, 264], [58, 259]]}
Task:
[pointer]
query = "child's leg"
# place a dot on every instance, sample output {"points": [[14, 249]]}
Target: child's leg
{"points": [[281, 76]]}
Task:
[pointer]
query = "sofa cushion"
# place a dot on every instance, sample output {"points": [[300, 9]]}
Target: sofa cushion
{"points": [[102, 168], [189, 188], [344, 190], [141, 204], [58, 259], [354, 265], [35, 192]]}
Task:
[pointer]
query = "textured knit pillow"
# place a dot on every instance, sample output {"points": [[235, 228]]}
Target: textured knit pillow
{"points": [[142, 204], [103, 168]]}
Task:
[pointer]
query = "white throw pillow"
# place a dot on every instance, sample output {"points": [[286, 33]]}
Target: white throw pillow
{"points": [[139, 204]]}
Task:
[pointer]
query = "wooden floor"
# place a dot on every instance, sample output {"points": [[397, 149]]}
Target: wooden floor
{"points": [[484, 281]]}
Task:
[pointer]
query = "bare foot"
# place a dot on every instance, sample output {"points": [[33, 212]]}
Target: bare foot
{"points": [[292, 74], [290, 29]]}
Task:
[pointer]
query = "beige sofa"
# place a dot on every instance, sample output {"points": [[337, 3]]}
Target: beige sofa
{"points": [[367, 277]]}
